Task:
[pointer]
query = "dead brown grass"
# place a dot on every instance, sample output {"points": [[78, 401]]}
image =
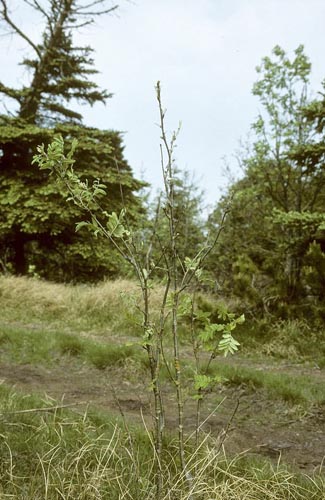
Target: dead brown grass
{"points": [[114, 305]]}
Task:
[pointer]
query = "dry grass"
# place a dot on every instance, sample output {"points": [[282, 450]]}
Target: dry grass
{"points": [[37, 295], [109, 469], [111, 305], [50, 452]]}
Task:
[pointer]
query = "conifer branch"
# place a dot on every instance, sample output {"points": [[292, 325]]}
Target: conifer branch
{"points": [[9, 92]]}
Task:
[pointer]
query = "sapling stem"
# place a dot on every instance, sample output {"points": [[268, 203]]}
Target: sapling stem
{"points": [[178, 274]]}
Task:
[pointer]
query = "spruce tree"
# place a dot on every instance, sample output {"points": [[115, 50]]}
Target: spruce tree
{"points": [[36, 227]]}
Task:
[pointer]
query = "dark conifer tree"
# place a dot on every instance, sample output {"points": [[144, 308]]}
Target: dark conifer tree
{"points": [[36, 226]]}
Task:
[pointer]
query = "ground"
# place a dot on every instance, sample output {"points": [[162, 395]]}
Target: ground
{"points": [[255, 423]]}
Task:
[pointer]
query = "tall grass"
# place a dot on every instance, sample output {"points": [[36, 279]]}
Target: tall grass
{"points": [[107, 308], [297, 389], [293, 339], [51, 453]]}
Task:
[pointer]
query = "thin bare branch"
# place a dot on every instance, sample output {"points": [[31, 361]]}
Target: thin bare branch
{"points": [[153, 234], [224, 433], [17, 30], [98, 13], [81, 25], [38, 7], [93, 4], [83, 10]]}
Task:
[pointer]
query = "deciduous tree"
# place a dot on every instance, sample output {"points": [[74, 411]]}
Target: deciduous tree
{"points": [[277, 209]]}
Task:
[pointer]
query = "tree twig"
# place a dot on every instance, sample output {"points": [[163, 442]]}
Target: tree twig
{"points": [[19, 32]]}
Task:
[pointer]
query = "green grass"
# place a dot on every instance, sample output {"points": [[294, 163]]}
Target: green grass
{"points": [[296, 340], [111, 309], [33, 346], [49, 452], [22, 345], [297, 389], [52, 453]]}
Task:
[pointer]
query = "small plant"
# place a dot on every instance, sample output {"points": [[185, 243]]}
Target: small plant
{"points": [[211, 338], [179, 275]]}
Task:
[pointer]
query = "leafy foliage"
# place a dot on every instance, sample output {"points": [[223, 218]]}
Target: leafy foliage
{"points": [[277, 207]]}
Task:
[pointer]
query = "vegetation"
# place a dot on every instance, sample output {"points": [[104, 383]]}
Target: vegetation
{"points": [[88, 454], [84, 455], [189, 223], [41, 322], [179, 272], [260, 252], [22, 346], [73, 308], [271, 252], [37, 227]]}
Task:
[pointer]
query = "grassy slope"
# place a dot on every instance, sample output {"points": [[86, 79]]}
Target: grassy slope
{"points": [[41, 323]]}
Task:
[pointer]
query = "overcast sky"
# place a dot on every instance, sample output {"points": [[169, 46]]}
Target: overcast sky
{"points": [[205, 53]]}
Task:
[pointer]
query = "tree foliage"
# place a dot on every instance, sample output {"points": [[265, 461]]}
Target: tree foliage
{"points": [[277, 207], [36, 227]]}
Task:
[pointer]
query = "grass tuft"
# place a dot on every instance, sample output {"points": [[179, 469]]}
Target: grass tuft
{"points": [[103, 356], [108, 308]]}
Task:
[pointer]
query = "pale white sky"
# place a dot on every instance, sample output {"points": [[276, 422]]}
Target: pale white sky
{"points": [[204, 53]]}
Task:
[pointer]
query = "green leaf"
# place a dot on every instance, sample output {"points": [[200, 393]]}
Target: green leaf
{"points": [[80, 225], [228, 345], [190, 264], [114, 226], [202, 381], [197, 397], [185, 305]]}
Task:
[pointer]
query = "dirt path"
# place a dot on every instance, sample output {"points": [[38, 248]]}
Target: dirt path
{"points": [[264, 427]]}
